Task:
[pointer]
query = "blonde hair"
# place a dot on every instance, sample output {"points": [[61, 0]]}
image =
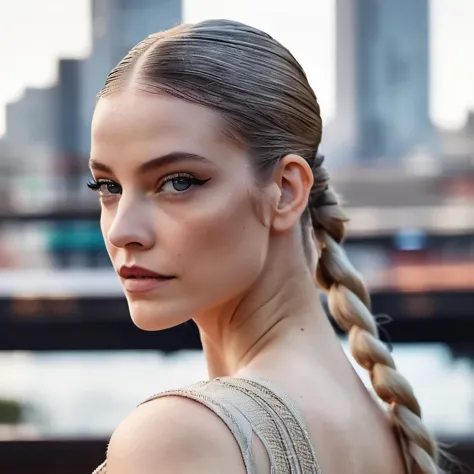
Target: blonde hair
{"points": [[349, 304], [266, 103]]}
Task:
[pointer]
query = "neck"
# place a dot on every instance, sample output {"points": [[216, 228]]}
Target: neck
{"points": [[272, 319]]}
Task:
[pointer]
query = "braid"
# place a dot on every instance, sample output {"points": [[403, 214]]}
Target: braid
{"points": [[349, 304]]}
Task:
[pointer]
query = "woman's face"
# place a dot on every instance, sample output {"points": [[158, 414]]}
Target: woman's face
{"points": [[178, 200]]}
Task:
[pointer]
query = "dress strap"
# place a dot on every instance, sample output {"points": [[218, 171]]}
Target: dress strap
{"points": [[276, 420]]}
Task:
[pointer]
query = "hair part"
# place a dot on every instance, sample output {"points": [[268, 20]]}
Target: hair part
{"points": [[267, 104]]}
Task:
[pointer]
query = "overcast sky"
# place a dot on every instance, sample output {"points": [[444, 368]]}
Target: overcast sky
{"points": [[34, 33]]}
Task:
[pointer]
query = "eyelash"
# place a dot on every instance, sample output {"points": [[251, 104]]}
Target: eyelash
{"points": [[192, 179], [95, 185]]}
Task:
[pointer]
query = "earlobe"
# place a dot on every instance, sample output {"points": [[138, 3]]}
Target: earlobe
{"points": [[294, 179]]}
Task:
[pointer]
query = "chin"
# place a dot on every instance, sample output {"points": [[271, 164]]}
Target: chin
{"points": [[150, 316]]}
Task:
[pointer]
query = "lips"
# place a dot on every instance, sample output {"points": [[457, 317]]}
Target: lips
{"points": [[141, 280], [136, 272]]}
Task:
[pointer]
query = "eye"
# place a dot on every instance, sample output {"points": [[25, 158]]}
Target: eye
{"points": [[105, 187], [180, 182]]}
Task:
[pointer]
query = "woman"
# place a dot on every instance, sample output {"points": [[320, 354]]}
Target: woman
{"points": [[216, 208]]}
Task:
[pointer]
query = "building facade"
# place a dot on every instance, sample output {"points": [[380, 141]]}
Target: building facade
{"points": [[383, 81]]}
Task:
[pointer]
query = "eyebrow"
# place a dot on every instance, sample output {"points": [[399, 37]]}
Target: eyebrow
{"points": [[154, 163]]}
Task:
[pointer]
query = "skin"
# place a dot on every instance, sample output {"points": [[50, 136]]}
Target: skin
{"points": [[235, 250]]}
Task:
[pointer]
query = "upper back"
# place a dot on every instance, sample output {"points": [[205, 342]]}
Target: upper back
{"points": [[350, 430]]}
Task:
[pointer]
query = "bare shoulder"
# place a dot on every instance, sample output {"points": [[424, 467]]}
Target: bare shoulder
{"points": [[173, 434]]}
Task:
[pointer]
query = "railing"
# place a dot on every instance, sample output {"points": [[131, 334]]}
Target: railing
{"points": [[49, 324]]}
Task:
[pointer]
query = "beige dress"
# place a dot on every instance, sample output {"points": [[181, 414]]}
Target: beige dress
{"points": [[253, 406]]}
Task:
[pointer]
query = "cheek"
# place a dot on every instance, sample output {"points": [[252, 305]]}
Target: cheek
{"points": [[223, 247]]}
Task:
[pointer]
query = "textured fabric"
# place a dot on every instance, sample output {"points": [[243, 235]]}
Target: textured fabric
{"points": [[253, 406]]}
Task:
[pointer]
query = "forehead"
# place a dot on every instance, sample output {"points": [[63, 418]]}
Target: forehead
{"points": [[133, 122]]}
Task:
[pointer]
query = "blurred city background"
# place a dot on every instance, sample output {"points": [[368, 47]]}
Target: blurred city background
{"points": [[395, 80]]}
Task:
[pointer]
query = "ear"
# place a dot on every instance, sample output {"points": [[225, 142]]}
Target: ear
{"points": [[294, 178]]}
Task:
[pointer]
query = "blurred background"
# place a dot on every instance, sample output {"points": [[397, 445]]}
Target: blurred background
{"points": [[395, 80]]}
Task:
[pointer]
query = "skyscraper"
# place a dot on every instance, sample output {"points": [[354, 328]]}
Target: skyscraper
{"points": [[382, 98]]}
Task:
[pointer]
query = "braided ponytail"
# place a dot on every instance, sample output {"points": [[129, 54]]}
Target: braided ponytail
{"points": [[349, 304]]}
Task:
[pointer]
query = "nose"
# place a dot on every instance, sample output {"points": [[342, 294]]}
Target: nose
{"points": [[131, 226]]}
